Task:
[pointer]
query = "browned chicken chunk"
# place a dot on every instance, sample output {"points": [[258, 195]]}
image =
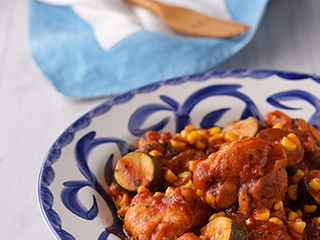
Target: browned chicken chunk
{"points": [[165, 215], [249, 170]]}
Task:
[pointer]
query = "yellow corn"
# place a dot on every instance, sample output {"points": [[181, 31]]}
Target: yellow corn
{"points": [[192, 165], [215, 137], [190, 184], [199, 192], [185, 174], [142, 189], [202, 132], [125, 199], [203, 237], [158, 194], [189, 127], [293, 216], [215, 130], [278, 126], [315, 184], [193, 137], [155, 153], [299, 226], [293, 192], [263, 215], [125, 207], [294, 139], [299, 212], [276, 220], [215, 215], [169, 191], [278, 205], [309, 208], [297, 177], [231, 136], [210, 199], [170, 176], [288, 144], [200, 145], [177, 143], [249, 221], [184, 134]]}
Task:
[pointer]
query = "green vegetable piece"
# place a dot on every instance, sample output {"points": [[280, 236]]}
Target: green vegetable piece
{"points": [[137, 169], [224, 228]]}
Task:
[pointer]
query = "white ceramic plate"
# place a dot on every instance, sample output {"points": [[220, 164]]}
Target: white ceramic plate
{"points": [[79, 165]]}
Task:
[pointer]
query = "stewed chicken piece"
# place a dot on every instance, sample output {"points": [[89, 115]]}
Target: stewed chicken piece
{"points": [[165, 215], [251, 171]]}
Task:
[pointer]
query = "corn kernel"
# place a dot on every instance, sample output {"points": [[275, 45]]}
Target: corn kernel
{"points": [[170, 176], [215, 130], [293, 192], [263, 215], [277, 126], [184, 134], [231, 136], [210, 199], [315, 184], [288, 144], [299, 212], [199, 192], [155, 153], [309, 208], [215, 215], [249, 221], [202, 132], [125, 199], [185, 174], [293, 216], [215, 137], [142, 189], [193, 137], [299, 226], [177, 143], [190, 184], [189, 127], [294, 139], [276, 220], [278, 205], [169, 191], [203, 237], [297, 177], [192, 165], [158, 194], [200, 145]]}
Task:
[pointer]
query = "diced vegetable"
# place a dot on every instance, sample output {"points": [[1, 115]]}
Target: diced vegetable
{"points": [[309, 192], [225, 228], [244, 128], [137, 169]]}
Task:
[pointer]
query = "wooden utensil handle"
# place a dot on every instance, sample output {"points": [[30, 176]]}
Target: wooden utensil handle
{"points": [[149, 4]]}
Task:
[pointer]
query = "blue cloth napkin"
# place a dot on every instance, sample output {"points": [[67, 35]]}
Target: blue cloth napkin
{"points": [[66, 51]]}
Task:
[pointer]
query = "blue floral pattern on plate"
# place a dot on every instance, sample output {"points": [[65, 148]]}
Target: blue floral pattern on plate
{"points": [[81, 138]]}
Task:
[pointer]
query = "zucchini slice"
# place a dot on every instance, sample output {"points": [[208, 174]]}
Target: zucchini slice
{"points": [[309, 192], [224, 228], [137, 169]]}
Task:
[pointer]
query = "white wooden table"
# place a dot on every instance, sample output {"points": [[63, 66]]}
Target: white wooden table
{"points": [[32, 115]]}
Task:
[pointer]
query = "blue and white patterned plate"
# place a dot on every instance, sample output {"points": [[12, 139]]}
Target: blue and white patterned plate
{"points": [[79, 165]]}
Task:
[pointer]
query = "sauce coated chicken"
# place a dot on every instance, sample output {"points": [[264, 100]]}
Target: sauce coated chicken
{"points": [[249, 180]]}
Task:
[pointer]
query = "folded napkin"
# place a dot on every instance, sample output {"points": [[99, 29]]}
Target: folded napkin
{"points": [[95, 48]]}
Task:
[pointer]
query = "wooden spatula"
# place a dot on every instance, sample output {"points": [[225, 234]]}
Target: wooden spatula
{"points": [[190, 22]]}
